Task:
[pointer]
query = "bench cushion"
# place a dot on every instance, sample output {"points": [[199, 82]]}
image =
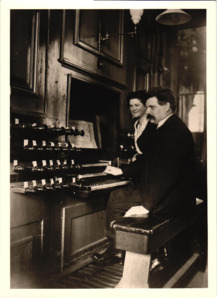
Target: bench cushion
{"points": [[141, 225]]}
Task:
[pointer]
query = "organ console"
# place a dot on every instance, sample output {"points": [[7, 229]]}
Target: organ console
{"points": [[61, 172]]}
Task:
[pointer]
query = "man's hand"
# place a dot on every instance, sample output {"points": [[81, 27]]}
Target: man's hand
{"points": [[113, 171], [137, 211]]}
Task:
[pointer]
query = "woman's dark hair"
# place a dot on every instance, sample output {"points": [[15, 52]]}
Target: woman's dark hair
{"points": [[163, 95], [142, 95]]}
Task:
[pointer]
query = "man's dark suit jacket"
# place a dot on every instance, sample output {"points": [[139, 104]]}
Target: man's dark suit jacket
{"points": [[146, 138], [167, 185]]}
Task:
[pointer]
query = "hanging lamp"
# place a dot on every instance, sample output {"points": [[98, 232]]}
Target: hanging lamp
{"points": [[173, 17]]}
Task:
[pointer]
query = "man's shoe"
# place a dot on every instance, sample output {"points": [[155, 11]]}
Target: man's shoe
{"points": [[109, 255], [100, 257], [159, 261], [157, 266]]}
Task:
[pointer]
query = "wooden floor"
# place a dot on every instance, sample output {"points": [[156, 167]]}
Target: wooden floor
{"points": [[92, 276], [97, 276]]}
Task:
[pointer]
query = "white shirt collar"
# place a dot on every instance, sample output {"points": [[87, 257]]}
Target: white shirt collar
{"points": [[138, 130], [163, 121], [143, 121]]}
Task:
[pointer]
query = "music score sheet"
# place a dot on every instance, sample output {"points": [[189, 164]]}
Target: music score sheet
{"points": [[86, 141]]}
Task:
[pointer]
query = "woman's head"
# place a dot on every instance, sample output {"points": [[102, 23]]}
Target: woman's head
{"points": [[137, 103]]}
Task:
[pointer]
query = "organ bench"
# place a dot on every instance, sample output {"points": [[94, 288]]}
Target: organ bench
{"points": [[141, 236]]}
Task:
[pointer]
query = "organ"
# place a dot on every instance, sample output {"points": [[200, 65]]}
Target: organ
{"points": [[52, 168]]}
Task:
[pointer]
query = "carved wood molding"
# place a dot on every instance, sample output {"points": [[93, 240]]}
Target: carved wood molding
{"points": [[66, 63]]}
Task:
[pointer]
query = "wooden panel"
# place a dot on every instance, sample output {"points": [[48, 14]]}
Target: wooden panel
{"points": [[112, 23], [21, 255], [87, 29], [91, 24], [56, 75], [21, 261], [28, 60], [26, 253], [26, 208], [141, 79], [24, 26], [86, 230], [31, 229], [81, 54], [83, 226]]}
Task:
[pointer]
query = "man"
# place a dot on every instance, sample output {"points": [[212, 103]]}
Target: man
{"points": [[166, 171]]}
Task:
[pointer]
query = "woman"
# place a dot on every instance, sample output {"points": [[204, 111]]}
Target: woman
{"points": [[143, 129]]}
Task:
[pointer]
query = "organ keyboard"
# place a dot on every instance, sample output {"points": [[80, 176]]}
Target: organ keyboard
{"points": [[96, 164], [88, 183]]}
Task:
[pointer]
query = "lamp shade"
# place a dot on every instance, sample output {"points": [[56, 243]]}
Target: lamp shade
{"points": [[173, 17]]}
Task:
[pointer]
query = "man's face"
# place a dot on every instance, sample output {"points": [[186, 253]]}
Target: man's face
{"points": [[137, 108], [156, 112]]}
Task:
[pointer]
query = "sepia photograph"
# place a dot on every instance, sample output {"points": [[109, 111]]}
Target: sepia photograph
{"points": [[111, 115]]}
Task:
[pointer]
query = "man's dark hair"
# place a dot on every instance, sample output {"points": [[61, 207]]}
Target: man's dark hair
{"points": [[163, 95], [142, 95]]}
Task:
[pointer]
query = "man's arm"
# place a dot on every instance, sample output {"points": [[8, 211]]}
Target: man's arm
{"points": [[130, 171], [134, 169]]}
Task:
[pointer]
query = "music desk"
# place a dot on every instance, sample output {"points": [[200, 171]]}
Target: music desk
{"points": [[140, 236]]}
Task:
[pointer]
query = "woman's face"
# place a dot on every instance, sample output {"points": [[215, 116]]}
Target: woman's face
{"points": [[137, 108]]}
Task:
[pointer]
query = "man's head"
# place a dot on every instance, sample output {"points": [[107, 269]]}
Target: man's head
{"points": [[137, 103], [160, 104]]}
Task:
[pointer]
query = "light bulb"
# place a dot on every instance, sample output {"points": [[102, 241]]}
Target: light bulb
{"points": [[136, 15]]}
